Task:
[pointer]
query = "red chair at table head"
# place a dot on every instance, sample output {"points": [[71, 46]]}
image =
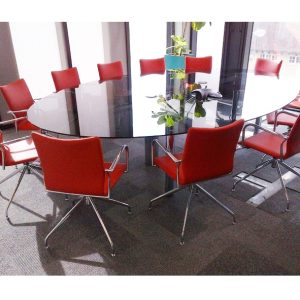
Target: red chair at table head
{"points": [[275, 145], [152, 66], [17, 152], [76, 166], [110, 71], [198, 64], [18, 99], [208, 153], [267, 67], [66, 79]]}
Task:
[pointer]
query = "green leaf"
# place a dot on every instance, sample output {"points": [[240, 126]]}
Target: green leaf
{"points": [[199, 110], [161, 120], [197, 25]]}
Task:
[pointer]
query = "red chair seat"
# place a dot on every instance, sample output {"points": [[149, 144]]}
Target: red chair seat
{"points": [[167, 165], [266, 143], [26, 125], [282, 119], [114, 176], [20, 152]]}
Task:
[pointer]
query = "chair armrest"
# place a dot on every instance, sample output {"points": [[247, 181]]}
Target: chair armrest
{"points": [[174, 159], [169, 154], [261, 128], [118, 157], [12, 121], [17, 111], [15, 140], [283, 112]]}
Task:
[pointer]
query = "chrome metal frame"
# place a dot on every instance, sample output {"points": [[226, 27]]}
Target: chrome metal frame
{"points": [[29, 167], [277, 113], [194, 189], [274, 162], [89, 201]]}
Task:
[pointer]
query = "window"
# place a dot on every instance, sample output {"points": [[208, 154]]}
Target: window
{"points": [[86, 47], [37, 54], [292, 59]]}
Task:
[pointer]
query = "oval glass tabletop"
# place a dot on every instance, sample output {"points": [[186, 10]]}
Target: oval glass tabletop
{"points": [[113, 110]]}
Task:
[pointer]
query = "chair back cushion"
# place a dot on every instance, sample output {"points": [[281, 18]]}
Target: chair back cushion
{"points": [[267, 67], [293, 142], [17, 96], [209, 152], [72, 166], [152, 66], [198, 64], [66, 79], [111, 71]]}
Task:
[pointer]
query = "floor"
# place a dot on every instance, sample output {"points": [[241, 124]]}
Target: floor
{"points": [[265, 240]]}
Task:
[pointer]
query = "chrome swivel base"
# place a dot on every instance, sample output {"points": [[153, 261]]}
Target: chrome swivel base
{"points": [[25, 168], [194, 190], [275, 164], [88, 200]]}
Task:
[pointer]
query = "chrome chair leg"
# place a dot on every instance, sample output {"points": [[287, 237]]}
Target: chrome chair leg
{"points": [[10, 175], [163, 195], [113, 253], [35, 172], [64, 218], [283, 186], [185, 216], [289, 168], [25, 167], [122, 204], [217, 202], [251, 173]]}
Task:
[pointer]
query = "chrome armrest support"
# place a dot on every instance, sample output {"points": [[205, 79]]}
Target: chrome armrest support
{"points": [[174, 159], [283, 112], [116, 160], [169, 154], [12, 120], [17, 111], [261, 128]]}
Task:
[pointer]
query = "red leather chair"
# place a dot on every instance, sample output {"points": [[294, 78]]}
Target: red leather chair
{"points": [[66, 79], [18, 99], [208, 153], [276, 145], [152, 66], [77, 167], [110, 71], [15, 152], [198, 64], [267, 67]]}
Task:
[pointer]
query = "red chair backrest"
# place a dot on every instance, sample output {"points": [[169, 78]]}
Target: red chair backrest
{"points": [[267, 67], [293, 142], [72, 166], [209, 152], [17, 96], [66, 79], [152, 66], [111, 71], [198, 64]]}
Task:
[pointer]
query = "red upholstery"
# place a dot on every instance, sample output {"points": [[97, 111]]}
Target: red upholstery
{"points": [[75, 166], [152, 66], [295, 104], [282, 119], [18, 97], [66, 79], [110, 71], [198, 64], [267, 67], [270, 144], [18, 152], [208, 153]]}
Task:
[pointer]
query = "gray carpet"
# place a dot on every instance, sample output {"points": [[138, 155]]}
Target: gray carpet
{"points": [[265, 240]]}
